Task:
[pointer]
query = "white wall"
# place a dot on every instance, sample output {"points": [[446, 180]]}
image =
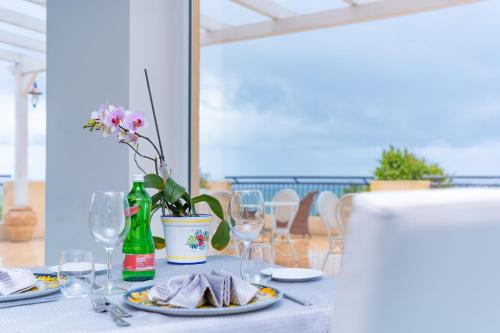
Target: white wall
{"points": [[87, 54], [97, 51]]}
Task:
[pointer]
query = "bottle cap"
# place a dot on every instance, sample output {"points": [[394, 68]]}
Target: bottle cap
{"points": [[138, 178]]}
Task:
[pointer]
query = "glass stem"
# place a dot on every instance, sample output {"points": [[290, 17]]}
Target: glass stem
{"points": [[246, 250], [245, 255], [109, 278]]}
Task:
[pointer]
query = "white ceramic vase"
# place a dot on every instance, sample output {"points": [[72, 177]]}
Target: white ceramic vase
{"points": [[187, 238]]}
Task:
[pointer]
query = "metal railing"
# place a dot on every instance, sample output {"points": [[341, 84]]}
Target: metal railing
{"points": [[463, 181], [270, 185]]}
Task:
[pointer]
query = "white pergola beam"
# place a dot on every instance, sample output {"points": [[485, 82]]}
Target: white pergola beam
{"points": [[21, 20], [209, 23], [327, 19], [351, 2], [34, 66], [42, 3], [11, 56], [22, 41], [266, 8], [28, 64]]}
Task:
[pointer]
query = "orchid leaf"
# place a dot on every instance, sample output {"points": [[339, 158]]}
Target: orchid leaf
{"points": [[154, 181], [154, 209], [221, 237], [156, 198], [173, 191], [159, 242], [189, 201], [212, 202]]}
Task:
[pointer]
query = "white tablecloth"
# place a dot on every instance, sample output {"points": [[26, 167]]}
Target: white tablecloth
{"points": [[76, 315]]}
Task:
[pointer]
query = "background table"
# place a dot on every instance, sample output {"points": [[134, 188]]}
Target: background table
{"points": [[76, 315]]}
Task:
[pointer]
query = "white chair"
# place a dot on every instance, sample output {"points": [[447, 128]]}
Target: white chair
{"points": [[284, 207], [421, 262], [327, 208], [343, 212]]}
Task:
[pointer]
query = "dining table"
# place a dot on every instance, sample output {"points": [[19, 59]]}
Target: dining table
{"points": [[77, 315]]}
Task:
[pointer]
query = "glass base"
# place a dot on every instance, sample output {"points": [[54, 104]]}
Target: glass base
{"points": [[112, 289]]}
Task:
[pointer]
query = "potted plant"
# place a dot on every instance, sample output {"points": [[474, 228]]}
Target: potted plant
{"points": [[185, 231], [402, 170]]}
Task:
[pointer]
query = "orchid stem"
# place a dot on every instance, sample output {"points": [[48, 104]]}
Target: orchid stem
{"points": [[151, 142], [137, 163], [145, 138], [162, 157], [137, 152]]}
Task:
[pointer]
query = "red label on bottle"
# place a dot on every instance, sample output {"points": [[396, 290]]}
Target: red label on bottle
{"points": [[131, 211], [139, 262]]}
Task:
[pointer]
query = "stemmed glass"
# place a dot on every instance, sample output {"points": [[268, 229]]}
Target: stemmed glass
{"points": [[246, 219], [109, 222]]}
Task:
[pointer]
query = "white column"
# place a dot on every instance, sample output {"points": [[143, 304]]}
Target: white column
{"points": [[21, 141], [159, 42]]}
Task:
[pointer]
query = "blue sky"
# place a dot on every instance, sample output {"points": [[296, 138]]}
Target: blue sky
{"points": [[327, 102]]}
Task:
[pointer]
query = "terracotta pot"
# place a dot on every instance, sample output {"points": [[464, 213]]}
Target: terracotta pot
{"points": [[20, 223]]}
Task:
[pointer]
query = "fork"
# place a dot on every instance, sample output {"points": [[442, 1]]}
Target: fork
{"points": [[99, 305], [120, 311]]}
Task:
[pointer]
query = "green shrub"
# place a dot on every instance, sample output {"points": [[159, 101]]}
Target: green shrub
{"points": [[397, 164], [355, 188]]}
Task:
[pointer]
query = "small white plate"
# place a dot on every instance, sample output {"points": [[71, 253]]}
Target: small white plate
{"points": [[99, 268], [294, 274]]}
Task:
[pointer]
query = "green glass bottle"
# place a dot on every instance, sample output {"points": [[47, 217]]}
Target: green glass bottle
{"points": [[138, 247]]}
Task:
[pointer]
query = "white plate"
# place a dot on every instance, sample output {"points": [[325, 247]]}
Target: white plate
{"points": [[262, 302], [295, 274], [44, 288], [76, 267]]}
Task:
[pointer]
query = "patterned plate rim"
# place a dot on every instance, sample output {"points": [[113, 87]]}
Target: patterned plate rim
{"points": [[204, 311], [24, 295]]}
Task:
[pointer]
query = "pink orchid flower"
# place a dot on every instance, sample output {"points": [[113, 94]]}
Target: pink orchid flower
{"points": [[134, 120], [113, 117]]}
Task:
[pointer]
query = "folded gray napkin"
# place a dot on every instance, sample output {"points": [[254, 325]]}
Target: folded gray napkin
{"points": [[190, 291], [15, 279]]}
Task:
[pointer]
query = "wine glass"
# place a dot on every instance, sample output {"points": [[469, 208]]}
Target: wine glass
{"points": [[246, 218], [109, 222], [258, 266]]}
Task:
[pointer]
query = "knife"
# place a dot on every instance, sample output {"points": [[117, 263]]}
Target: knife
{"points": [[297, 300]]}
